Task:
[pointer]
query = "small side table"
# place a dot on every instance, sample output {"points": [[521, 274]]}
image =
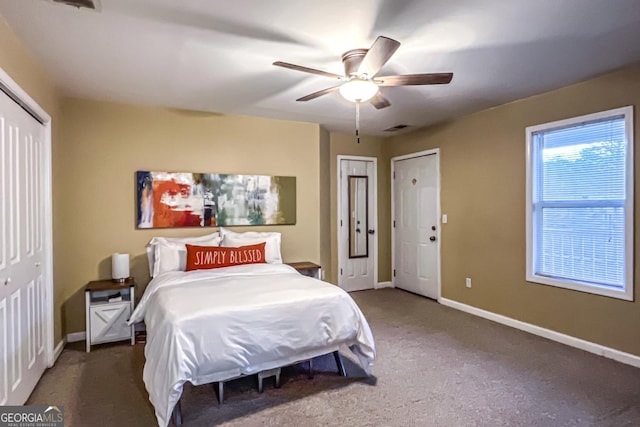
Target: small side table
{"points": [[307, 268], [108, 306]]}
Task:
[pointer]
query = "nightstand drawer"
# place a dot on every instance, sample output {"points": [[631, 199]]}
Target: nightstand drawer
{"points": [[109, 322]]}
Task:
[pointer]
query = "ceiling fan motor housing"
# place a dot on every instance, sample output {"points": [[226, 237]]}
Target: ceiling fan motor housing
{"points": [[351, 60]]}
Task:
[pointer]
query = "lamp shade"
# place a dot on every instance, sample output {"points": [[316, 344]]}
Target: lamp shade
{"points": [[120, 266], [358, 90]]}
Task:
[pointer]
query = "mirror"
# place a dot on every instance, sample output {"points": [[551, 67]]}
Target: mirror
{"points": [[358, 221]]}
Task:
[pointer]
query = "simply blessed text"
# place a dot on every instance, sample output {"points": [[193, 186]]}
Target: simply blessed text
{"points": [[205, 257], [233, 256]]}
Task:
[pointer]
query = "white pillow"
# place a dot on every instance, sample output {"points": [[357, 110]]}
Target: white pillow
{"points": [[171, 261], [247, 234], [231, 239], [195, 239]]}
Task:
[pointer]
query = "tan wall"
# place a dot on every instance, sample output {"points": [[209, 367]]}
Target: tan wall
{"points": [[105, 143], [483, 194], [325, 202], [18, 63], [345, 144]]}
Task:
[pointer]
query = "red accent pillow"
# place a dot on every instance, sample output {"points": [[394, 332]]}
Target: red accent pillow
{"points": [[207, 257]]}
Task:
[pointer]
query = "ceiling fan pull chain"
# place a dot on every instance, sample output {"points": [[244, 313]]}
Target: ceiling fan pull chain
{"points": [[358, 121]]}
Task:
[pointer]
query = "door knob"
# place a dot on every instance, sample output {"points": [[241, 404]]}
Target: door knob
{"points": [[37, 264], [7, 281], [432, 238], [372, 231]]}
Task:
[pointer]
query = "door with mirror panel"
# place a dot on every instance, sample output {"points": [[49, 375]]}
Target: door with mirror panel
{"points": [[357, 224]]}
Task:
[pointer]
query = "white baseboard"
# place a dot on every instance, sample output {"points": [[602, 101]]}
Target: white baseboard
{"points": [[76, 336], [384, 285], [82, 335], [591, 347], [57, 351]]}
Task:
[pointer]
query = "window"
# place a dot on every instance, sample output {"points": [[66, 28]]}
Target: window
{"points": [[580, 203]]}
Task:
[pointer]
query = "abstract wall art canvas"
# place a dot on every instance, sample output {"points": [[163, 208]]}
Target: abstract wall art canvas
{"points": [[184, 199]]}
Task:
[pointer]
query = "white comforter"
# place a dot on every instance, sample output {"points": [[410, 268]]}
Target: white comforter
{"points": [[211, 325]]}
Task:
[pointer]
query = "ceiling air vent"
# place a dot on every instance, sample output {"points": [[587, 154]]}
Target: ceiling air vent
{"points": [[87, 4], [396, 128]]}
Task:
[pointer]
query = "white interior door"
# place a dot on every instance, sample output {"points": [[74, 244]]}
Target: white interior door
{"points": [[22, 228], [357, 224], [416, 232]]}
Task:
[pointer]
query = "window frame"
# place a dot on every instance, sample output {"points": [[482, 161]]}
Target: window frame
{"points": [[592, 288]]}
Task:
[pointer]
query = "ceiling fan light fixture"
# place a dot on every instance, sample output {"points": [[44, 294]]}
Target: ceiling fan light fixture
{"points": [[358, 90]]}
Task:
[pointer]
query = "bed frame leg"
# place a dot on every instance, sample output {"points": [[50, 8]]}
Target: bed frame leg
{"points": [[341, 370], [220, 391], [310, 375], [177, 414]]}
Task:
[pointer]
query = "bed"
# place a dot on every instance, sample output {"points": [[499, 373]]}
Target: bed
{"points": [[206, 326]]}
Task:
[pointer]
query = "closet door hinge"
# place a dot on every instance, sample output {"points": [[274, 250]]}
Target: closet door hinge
{"points": [[394, 272], [394, 223]]}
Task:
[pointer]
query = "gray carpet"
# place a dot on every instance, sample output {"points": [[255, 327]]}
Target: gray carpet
{"points": [[436, 367]]}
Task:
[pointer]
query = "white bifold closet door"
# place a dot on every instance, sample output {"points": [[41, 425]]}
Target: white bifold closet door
{"points": [[22, 227]]}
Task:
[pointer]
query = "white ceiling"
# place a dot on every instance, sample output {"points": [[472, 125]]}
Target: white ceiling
{"points": [[216, 56]]}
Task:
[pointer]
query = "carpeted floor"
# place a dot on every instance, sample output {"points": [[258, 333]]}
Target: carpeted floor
{"points": [[436, 367]]}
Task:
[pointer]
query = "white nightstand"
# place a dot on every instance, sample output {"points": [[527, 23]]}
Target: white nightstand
{"points": [[108, 306]]}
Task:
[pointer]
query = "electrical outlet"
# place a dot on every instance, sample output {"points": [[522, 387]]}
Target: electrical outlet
{"points": [[468, 282]]}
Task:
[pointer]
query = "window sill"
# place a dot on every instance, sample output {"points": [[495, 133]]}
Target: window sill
{"points": [[626, 295]]}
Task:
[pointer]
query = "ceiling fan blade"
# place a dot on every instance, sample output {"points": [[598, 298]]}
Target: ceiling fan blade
{"points": [[315, 95], [378, 55], [415, 79], [380, 101], [307, 70]]}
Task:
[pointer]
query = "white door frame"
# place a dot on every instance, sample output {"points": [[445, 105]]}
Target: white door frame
{"points": [[374, 200], [435, 151], [7, 84]]}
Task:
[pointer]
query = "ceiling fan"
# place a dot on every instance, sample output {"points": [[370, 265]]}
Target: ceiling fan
{"points": [[361, 66]]}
